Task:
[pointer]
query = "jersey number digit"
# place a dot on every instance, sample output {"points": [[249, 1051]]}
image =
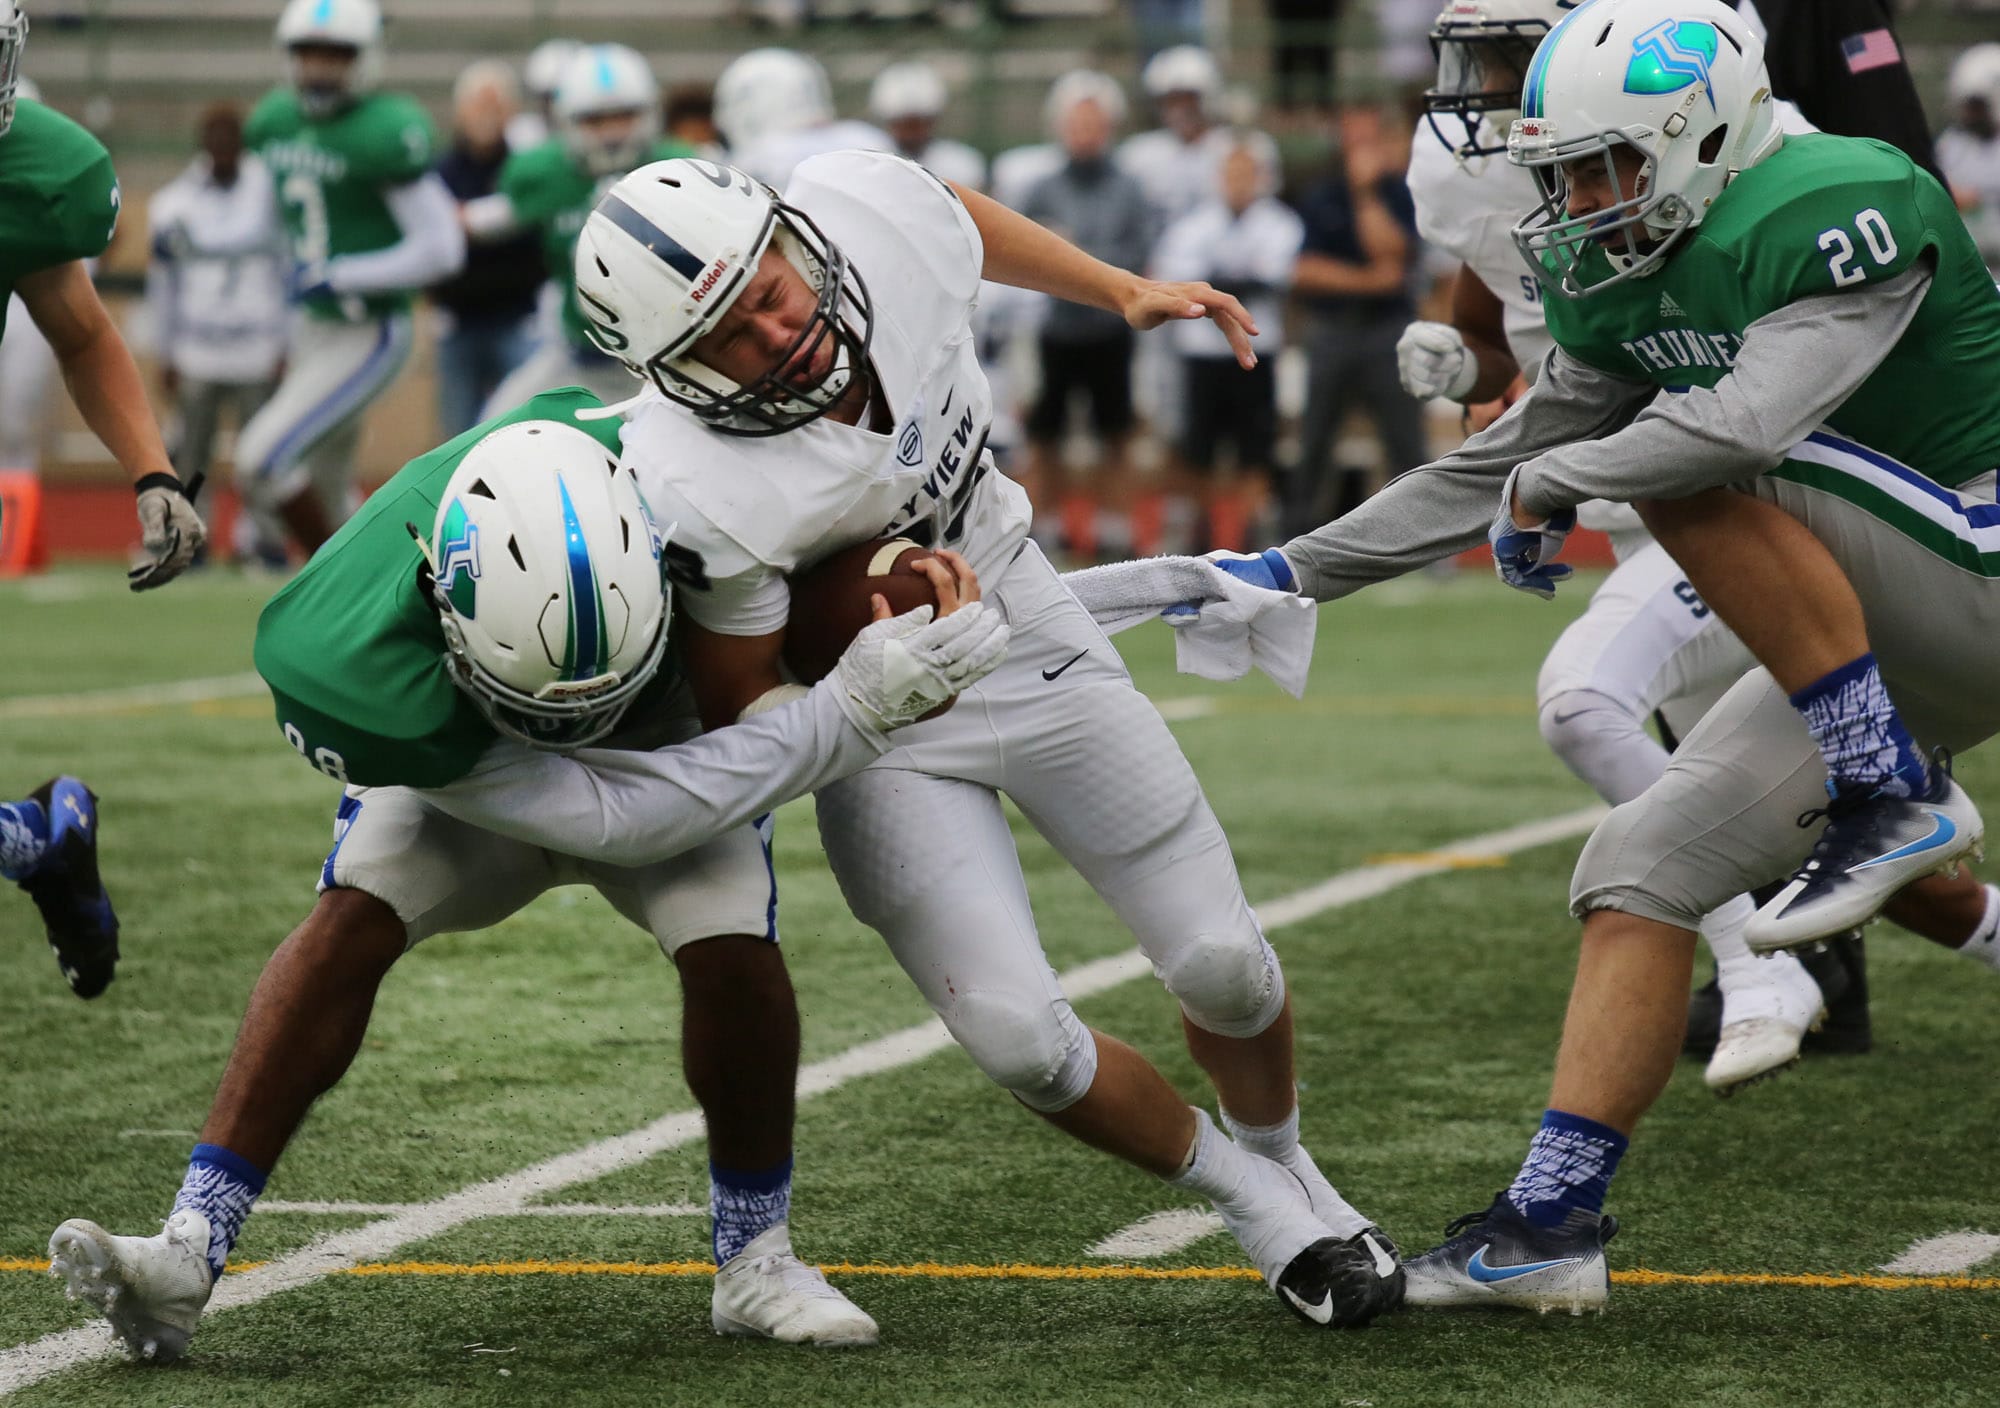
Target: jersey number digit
{"points": [[1531, 288], [303, 191], [1684, 592], [325, 759], [1875, 233]]}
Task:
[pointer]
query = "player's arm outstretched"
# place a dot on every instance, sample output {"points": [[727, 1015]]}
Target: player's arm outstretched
{"points": [[1026, 255], [104, 382]]}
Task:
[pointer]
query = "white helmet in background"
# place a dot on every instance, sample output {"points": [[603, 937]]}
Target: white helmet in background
{"points": [[543, 71], [1082, 85], [1976, 74], [339, 24], [911, 89], [13, 38], [546, 574], [1680, 82], [1185, 68], [669, 249], [605, 80], [770, 91], [1483, 49]]}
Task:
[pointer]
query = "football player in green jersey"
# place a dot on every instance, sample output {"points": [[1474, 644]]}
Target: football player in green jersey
{"points": [[58, 208], [607, 116], [369, 222], [495, 698], [1786, 351]]}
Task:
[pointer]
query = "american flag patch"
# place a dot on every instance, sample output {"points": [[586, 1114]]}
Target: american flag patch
{"points": [[1874, 49]]}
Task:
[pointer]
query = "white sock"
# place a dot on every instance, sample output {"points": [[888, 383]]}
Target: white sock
{"points": [[1777, 986], [1273, 1141], [1984, 944], [1280, 1142], [1213, 1167]]}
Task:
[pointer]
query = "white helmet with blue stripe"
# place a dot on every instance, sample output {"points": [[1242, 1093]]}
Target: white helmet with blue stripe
{"points": [[603, 81], [668, 250], [13, 38], [1483, 50], [335, 24], [547, 577]]}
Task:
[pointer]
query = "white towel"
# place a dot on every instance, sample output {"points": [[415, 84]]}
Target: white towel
{"points": [[1235, 626]]}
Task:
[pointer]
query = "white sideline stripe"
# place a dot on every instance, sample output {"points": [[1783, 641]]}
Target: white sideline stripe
{"points": [[1159, 1234], [279, 1205], [137, 696], [1946, 1254], [513, 1193]]}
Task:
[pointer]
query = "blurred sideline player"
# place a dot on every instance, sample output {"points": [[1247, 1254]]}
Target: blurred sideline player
{"points": [[369, 222], [907, 99], [775, 109], [814, 385], [1968, 151], [59, 208], [482, 770], [607, 115], [27, 367], [1647, 642], [1736, 306], [540, 73]]}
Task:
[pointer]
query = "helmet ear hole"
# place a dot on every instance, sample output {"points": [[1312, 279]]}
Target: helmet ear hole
{"points": [[1712, 144]]}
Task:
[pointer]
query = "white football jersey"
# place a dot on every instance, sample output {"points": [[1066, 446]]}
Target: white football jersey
{"points": [[774, 159], [1470, 212], [1177, 176], [750, 510]]}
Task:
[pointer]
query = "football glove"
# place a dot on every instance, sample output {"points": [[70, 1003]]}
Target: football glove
{"points": [[898, 670], [1267, 569], [1433, 360], [170, 529], [1525, 557]]}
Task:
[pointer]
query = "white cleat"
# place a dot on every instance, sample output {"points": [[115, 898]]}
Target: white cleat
{"points": [[766, 1292], [151, 1289], [1764, 1018]]}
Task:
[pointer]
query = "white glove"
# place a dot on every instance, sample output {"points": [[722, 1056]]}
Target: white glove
{"points": [[898, 670], [1433, 360], [170, 529]]}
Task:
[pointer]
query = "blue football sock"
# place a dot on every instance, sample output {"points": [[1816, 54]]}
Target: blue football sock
{"points": [[1859, 732], [742, 1204], [24, 836], [222, 1187], [1568, 1168]]}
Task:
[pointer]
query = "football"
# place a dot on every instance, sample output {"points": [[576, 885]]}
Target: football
{"points": [[830, 600]]}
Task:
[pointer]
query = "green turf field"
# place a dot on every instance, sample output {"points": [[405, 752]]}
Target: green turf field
{"points": [[1427, 1019]]}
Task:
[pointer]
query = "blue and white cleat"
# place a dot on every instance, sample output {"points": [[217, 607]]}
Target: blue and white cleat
{"points": [[76, 911], [1873, 845], [1499, 1258]]}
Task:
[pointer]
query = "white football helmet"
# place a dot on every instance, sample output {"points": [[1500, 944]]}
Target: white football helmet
{"points": [[1680, 82], [1975, 74], [343, 24], [1081, 85], [769, 91], [546, 573], [13, 38], [911, 89], [669, 249], [1483, 48], [601, 80], [543, 70], [1185, 68]]}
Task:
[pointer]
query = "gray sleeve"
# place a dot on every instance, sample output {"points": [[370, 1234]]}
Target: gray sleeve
{"points": [[1795, 367], [1446, 506]]}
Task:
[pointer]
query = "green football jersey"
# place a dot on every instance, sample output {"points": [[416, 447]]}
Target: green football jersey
{"points": [[58, 196], [1820, 214], [351, 647], [552, 193], [332, 174]]}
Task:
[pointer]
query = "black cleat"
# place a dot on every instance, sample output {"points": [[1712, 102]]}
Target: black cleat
{"points": [[82, 928], [1344, 1284]]}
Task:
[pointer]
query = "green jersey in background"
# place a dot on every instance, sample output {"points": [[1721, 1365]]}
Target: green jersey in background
{"points": [[58, 196]]}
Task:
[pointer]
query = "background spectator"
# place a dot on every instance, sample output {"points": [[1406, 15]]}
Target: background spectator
{"points": [[1353, 281], [1969, 149], [689, 118], [907, 99], [487, 310]]}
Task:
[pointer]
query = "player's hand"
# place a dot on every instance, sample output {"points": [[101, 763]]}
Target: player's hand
{"points": [[170, 529], [951, 577], [1524, 554], [1267, 569], [901, 667], [1433, 360], [1154, 303]]}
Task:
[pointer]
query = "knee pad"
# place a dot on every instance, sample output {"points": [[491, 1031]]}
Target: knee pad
{"points": [[1037, 1051], [1229, 984], [1621, 868], [1604, 742]]}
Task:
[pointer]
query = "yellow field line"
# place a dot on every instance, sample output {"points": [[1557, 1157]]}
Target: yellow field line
{"points": [[942, 1271]]}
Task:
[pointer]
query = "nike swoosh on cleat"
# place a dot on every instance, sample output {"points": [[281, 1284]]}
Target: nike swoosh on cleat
{"points": [[1486, 1275], [1943, 832], [1385, 1265], [1320, 1312], [1051, 674]]}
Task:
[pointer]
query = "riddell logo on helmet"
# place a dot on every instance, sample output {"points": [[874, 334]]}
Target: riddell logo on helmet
{"points": [[708, 281]]}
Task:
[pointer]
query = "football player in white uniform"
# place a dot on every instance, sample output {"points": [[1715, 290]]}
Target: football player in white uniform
{"points": [[813, 386], [1647, 642], [775, 109], [1179, 163], [908, 99]]}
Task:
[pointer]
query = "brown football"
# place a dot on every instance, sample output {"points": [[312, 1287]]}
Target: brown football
{"points": [[830, 600]]}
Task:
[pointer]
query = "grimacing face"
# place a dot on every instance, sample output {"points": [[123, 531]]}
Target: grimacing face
{"points": [[759, 329]]}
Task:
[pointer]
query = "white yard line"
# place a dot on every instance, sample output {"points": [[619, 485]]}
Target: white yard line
{"points": [[1945, 1255], [165, 694], [514, 1193], [1159, 1234], [279, 1205]]}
